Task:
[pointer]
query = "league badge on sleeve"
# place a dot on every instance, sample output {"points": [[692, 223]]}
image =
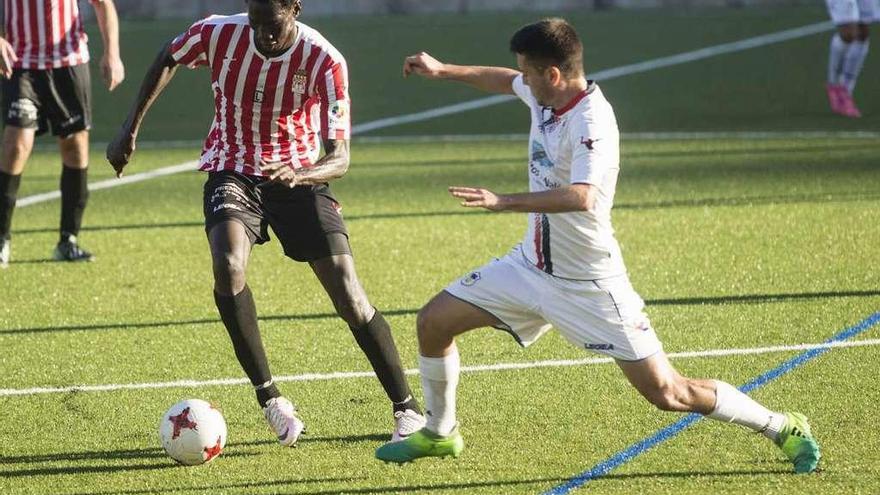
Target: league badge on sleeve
{"points": [[339, 111]]}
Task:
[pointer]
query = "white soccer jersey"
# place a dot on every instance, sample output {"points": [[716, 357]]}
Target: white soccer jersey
{"points": [[274, 109], [46, 34], [578, 144]]}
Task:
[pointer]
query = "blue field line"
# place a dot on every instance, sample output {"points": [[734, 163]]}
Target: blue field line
{"points": [[638, 448]]}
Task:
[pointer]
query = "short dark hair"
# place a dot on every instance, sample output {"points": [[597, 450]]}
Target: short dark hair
{"points": [[296, 5], [551, 42]]}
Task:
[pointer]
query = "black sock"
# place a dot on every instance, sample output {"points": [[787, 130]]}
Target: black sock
{"points": [[74, 196], [239, 315], [266, 393], [8, 195], [375, 340], [408, 403]]}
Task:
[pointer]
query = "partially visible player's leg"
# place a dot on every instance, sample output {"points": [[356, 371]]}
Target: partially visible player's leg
{"points": [[74, 150], [68, 108], [233, 223], [502, 294], [854, 59], [17, 145], [371, 331], [663, 386], [230, 251], [845, 15], [20, 117], [438, 323], [837, 50]]}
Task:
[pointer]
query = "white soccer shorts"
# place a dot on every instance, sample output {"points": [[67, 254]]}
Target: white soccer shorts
{"points": [[604, 316], [853, 11]]}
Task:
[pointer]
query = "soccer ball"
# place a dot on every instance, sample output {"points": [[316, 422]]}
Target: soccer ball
{"points": [[193, 432]]}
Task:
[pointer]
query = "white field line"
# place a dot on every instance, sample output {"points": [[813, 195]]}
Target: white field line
{"points": [[607, 74], [636, 136], [604, 75], [343, 375], [106, 184]]}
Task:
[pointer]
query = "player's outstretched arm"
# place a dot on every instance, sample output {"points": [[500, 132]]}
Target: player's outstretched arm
{"points": [[333, 165], [121, 148], [112, 69], [576, 197], [490, 79]]}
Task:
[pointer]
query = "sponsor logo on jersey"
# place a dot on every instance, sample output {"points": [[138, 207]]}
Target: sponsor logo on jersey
{"points": [[299, 82], [539, 155], [471, 279]]}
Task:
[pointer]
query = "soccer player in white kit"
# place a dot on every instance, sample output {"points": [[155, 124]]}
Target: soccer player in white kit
{"points": [[568, 271], [849, 48]]}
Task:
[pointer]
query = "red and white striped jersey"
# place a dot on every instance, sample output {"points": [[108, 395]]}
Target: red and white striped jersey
{"points": [[46, 34], [274, 109]]}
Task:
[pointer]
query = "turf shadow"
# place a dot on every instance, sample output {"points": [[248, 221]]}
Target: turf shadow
{"points": [[451, 487], [696, 474], [680, 301], [823, 197]]}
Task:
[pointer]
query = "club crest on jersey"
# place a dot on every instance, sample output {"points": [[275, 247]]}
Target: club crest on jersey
{"points": [[258, 95], [588, 142], [471, 279], [299, 82]]}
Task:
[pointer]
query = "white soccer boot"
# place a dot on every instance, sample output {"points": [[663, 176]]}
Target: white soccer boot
{"points": [[4, 253], [406, 423], [281, 416]]}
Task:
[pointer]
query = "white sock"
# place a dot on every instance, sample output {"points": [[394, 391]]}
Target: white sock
{"points": [[733, 406], [853, 62], [835, 58], [439, 381]]}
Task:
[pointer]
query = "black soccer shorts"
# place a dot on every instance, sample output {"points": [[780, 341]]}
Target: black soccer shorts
{"points": [[304, 218], [56, 99]]}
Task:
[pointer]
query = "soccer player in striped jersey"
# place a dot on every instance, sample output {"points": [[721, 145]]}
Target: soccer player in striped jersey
{"points": [[44, 59], [280, 92], [568, 271], [848, 50]]}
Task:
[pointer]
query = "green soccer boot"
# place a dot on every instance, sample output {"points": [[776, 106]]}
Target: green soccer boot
{"points": [[423, 443], [798, 443]]}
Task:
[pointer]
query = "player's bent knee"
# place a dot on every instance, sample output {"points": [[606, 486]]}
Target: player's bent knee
{"points": [[229, 274], [429, 324], [355, 311]]}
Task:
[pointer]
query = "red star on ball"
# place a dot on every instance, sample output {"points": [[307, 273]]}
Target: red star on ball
{"points": [[182, 421], [212, 452]]}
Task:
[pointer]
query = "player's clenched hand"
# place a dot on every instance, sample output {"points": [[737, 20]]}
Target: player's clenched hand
{"points": [[120, 150], [280, 172], [7, 58], [477, 198], [423, 65], [112, 71]]}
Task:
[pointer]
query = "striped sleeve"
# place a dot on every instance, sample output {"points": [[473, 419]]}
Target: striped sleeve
{"points": [[335, 102], [189, 48]]}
